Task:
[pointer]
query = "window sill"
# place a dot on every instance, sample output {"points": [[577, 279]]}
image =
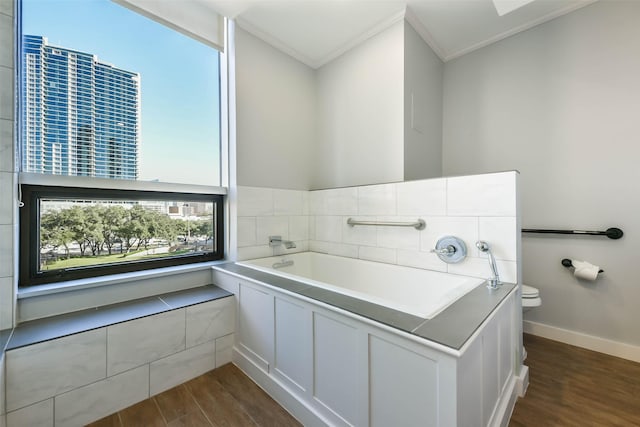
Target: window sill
{"points": [[115, 279], [54, 327]]}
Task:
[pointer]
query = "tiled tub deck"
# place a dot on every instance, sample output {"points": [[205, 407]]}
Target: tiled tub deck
{"points": [[74, 369]]}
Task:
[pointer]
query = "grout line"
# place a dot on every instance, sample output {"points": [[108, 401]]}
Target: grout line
{"points": [[198, 404]]}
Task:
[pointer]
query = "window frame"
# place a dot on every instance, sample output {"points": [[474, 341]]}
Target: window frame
{"points": [[46, 284], [29, 271]]}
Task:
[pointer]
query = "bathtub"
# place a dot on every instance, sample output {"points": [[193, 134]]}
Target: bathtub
{"points": [[421, 293]]}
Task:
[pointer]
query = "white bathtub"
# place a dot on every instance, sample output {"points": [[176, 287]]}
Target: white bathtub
{"points": [[422, 293]]}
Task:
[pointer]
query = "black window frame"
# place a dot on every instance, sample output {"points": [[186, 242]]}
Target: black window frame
{"points": [[29, 271]]}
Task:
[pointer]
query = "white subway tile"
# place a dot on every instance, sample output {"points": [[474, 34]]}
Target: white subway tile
{"points": [[298, 228], [329, 228], [210, 320], [36, 415], [465, 228], [6, 249], [312, 227], [7, 202], [7, 155], [342, 201], [491, 194], [377, 254], [43, 370], [471, 266], [359, 234], [424, 260], [508, 271], [95, 401], [255, 201], [247, 231], [6, 41], [339, 249], [140, 341], [288, 202], [224, 350], [181, 367], [317, 246], [423, 197], [6, 303], [318, 202], [377, 199], [398, 237], [305, 203], [6, 93], [6, 7], [271, 226], [252, 252], [501, 234]]}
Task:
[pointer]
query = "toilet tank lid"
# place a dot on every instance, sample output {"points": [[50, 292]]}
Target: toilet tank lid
{"points": [[530, 292]]}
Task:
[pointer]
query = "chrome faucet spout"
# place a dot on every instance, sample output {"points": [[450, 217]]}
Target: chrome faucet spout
{"points": [[494, 280], [277, 241]]}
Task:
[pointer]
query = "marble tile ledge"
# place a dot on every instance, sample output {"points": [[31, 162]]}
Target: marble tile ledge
{"points": [[54, 327]]}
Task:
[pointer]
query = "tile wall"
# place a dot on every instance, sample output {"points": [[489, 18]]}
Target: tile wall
{"points": [[8, 178], [81, 378], [8, 171], [477, 207]]}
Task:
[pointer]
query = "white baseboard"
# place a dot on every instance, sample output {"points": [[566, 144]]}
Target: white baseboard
{"points": [[522, 381], [590, 342]]}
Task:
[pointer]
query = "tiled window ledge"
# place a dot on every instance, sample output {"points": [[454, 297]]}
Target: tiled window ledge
{"points": [[54, 327]]}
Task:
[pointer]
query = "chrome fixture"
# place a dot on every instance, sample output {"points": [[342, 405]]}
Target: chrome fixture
{"points": [[418, 225], [450, 249], [494, 280], [277, 241], [283, 263]]}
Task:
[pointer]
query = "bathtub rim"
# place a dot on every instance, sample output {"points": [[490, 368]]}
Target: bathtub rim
{"points": [[468, 282]]}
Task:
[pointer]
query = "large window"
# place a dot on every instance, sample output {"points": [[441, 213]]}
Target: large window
{"points": [[73, 233], [108, 94]]}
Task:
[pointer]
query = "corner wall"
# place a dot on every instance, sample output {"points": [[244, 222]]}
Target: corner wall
{"points": [[560, 103], [276, 109]]}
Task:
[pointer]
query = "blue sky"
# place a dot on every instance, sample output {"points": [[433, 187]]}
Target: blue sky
{"points": [[179, 80]]}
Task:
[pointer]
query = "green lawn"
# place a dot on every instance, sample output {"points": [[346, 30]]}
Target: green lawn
{"points": [[102, 259]]}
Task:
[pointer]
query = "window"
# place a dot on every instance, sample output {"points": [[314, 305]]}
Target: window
{"points": [[74, 233], [108, 95]]}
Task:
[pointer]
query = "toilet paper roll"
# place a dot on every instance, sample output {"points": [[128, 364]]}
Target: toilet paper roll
{"points": [[585, 270]]}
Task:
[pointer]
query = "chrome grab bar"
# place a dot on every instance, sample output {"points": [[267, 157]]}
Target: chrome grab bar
{"points": [[418, 225]]}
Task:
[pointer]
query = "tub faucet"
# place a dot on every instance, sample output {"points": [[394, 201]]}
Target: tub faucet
{"points": [[494, 280], [277, 241]]}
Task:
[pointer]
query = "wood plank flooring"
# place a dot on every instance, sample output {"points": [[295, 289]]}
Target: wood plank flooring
{"points": [[568, 386], [571, 386], [224, 397]]}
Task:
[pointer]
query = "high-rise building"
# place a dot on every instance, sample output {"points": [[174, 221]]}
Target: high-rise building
{"points": [[80, 116]]}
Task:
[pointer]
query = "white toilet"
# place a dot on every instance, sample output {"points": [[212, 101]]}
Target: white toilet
{"points": [[530, 297]]}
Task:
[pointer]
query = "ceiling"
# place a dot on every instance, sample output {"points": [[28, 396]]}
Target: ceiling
{"points": [[317, 31]]}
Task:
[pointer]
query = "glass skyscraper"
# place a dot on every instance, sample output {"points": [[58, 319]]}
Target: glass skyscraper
{"points": [[80, 116]]}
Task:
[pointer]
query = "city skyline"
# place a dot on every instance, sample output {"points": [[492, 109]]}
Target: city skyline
{"points": [[81, 116], [180, 93]]}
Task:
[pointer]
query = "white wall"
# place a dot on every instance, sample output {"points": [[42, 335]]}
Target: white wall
{"points": [[560, 103], [423, 74], [361, 114], [276, 101]]}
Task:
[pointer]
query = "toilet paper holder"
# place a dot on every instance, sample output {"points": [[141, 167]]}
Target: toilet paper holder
{"points": [[567, 263]]}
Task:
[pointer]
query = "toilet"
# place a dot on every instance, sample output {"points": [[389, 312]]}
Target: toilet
{"points": [[530, 297]]}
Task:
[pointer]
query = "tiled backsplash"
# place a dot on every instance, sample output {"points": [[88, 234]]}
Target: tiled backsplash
{"points": [[477, 207]]}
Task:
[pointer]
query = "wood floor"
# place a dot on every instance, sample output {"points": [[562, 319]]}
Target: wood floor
{"points": [[571, 386], [222, 397], [568, 386]]}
